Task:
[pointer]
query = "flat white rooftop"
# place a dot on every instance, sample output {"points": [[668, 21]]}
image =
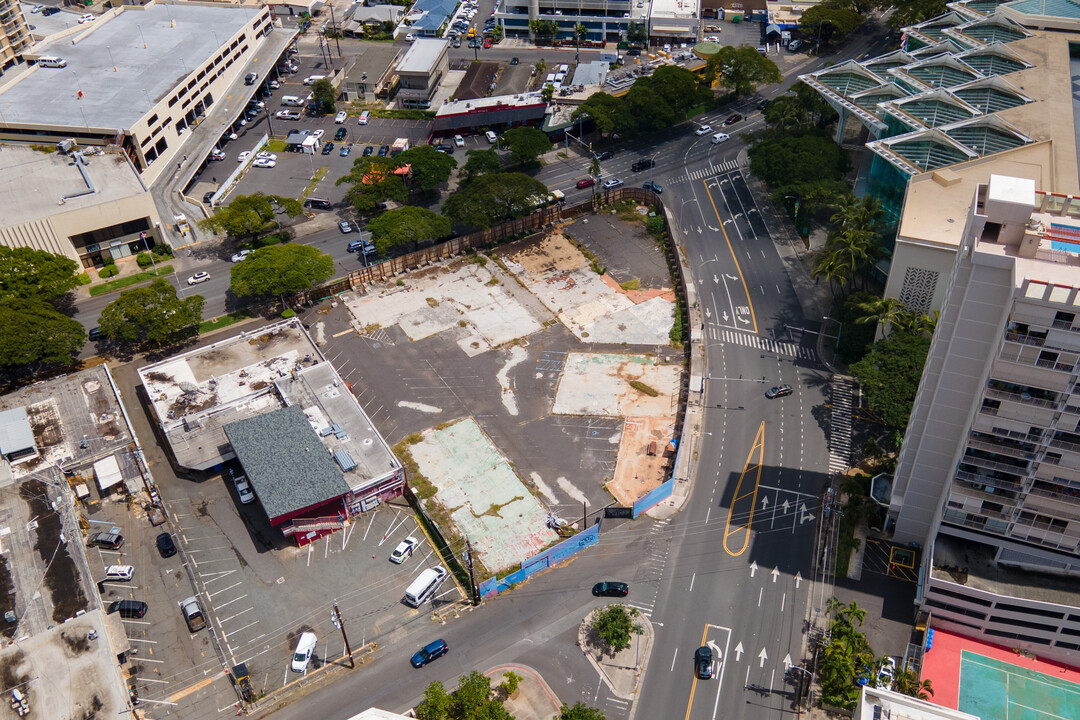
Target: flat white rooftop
{"points": [[464, 106], [151, 47], [675, 8]]}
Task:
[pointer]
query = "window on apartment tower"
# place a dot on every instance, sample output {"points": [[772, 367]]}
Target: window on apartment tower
{"points": [[1065, 318]]}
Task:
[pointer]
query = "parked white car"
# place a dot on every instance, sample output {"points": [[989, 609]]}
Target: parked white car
{"points": [[86, 18], [243, 156], [341, 117], [264, 163], [318, 134], [239, 257], [459, 141], [265, 155], [243, 489], [404, 550]]}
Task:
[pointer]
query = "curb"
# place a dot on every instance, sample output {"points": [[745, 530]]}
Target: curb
{"points": [[639, 671]]}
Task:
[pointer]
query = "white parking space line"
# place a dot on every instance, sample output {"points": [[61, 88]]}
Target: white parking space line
{"points": [[151, 642], [209, 577], [222, 621], [242, 629], [229, 602], [143, 659], [207, 562], [224, 589], [120, 585], [145, 679], [134, 622], [219, 547]]}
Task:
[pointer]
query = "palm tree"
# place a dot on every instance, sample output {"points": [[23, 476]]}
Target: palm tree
{"points": [[908, 683], [854, 612], [580, 31], [927, 323], [890, 312]]}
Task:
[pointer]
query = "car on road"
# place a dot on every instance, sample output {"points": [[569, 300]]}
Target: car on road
{"points": [[264, 163], [585, 182], [193, 614], [345, 150], [318, 133], [345, 226], [459, 141], [703, 130], [733, 118], [165, 545], [243, 156], [431, 651], [642, 164], [368, 150], [37, 8], [713, 39], [778, 391], [239, 257], [328, 148], [654, 186], [95, 334], [712, 28], [305, 648], [410, 37], [217, 154], [250, 78], [243, 489], [199, 277], [384, 151], [341, 134], [86, 18], [457, 42], [703, 663], [109, 541], [404, 550], [341, 117], [612, 183], [514, 60], [605, 155], [719, 138], [610, 589]]}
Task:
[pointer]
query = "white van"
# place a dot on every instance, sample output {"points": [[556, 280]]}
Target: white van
{"points": [[50, 61], [424, 586], [291, 101], [719, 138], [364, 117], [310, 79]]}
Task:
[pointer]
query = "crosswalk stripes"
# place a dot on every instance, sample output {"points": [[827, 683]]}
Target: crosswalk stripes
{"points": [[726, 166], [840, 424], [762, 343]]}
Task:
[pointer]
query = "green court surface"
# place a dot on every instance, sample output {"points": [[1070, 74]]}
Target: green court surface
{"points": [[996, 690]]}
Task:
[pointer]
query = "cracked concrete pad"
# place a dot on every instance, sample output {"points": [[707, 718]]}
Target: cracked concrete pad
{"points": [[599, 384], [646, 324], [487, 501]]}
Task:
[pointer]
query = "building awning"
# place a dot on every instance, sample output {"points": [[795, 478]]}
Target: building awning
{"points": [[107, 471], [772, 28], [672, 29]]}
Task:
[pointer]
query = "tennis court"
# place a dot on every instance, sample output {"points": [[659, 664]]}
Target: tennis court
{"points": [[998, 683]]}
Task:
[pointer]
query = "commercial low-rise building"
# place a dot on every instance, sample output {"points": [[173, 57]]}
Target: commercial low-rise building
{"points": [[674, 21], [500, 111], [425, 64], [604, 20]]}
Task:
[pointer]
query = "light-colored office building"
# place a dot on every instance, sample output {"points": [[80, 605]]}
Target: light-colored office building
{"points": [[14, 34], [881, 704], [674, 21], [423, 67], [988, 479], [603, 19]]}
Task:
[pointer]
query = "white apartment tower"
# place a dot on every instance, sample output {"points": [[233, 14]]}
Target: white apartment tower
{"points": [[988, 480]]}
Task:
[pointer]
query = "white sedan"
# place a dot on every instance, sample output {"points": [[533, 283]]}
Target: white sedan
{"points": [[341, 117], [282, 114], [243, 156], [265, 155], [199, 277], [404, 550], [37, 8], [243, 489], [264, 163], [318, 134], [239, 257], [86, 18], [703, 130], [459, 141]]}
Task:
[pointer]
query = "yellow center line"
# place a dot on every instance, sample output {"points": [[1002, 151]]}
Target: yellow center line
{"points": [[739, 507], [693, 687], [749, 303]]}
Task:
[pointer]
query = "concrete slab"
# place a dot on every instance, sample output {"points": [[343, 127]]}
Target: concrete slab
{"points": [[534, 699], [487, 501], [599, 384], [637, 472]]}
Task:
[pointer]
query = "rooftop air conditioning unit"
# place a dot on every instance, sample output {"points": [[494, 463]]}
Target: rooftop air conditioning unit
{"points": [[65, 146]]}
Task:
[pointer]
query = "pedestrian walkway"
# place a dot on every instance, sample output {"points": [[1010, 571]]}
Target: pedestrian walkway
{"points": [[840, 424], [726, 166], [761, 343]]}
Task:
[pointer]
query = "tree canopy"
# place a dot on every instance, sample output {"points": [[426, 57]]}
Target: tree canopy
{"points": [[407, 225], [35, 274], [325, 95], [609, 113], [480, 162], [372, 181], [525, 144], [653, 102], [890, 373], [491, 199], [151, 317], [546, 29], [829, 22], [247, 216], [472, 699], [637, 33], [579, 711], [741, 69], [280, 269], [613, 625], [911, 12], [34, 334], [430, 167]]}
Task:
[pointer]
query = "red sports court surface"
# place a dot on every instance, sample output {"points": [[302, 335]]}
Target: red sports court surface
{"points": [[996, 683]]}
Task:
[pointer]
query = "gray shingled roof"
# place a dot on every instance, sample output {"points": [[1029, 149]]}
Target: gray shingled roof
{"points": [[288, 466]]}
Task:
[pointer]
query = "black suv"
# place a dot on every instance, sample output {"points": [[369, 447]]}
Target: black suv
{"points": [[643, 164], [328, 148], [341, 134], [605, 155], [109, 541], [128, 608]]}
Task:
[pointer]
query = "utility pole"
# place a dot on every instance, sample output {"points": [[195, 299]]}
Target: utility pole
{"points": [[584, 514], [337, 32], [472, 576], [335, 617]]}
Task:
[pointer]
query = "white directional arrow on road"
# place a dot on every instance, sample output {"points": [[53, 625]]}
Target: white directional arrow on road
{"points": [[708, 314], [798, 580], [787, 505], [731, 277], [744, 320], [728, 221], [715, 279], [699, 230], [713, 229], [724, 315], [775, 573], [806, 517], [738, 652], [787, 662], [753, 568], [737, 215], [762, 656], [715, 649], [764, 503]]}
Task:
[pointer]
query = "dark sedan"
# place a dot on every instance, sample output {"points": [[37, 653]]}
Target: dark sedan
{"points": [[778, 391], [605, 155], [384, 151], [368, 150], [733, 118], [703, 663], [611, 589], [328, 148]]}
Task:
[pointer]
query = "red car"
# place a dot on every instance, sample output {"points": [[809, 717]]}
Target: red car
{"points": [[585, 182], [487, 43]]}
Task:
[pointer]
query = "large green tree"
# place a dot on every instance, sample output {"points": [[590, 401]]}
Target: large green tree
{"points": [[407, 225], [829, 22], [279, 270], [544, 29], [325, 95], [911, 12], [480, 162], [608, 113], [372, 181], [430, 168], [525, 144], [151, 317], [491, 199], [472, 699], [614, 625], [637, 33], [579, 711], [35, 274], [741, 69], [33, 335], [889, 376], [245, 216]]}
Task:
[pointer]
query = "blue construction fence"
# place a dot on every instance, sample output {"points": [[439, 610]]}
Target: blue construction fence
{"points": [[537, 563], [653, 497]]}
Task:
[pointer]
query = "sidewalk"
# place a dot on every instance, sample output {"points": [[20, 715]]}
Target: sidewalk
{"points": [[623, 671], [534, 698]]}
